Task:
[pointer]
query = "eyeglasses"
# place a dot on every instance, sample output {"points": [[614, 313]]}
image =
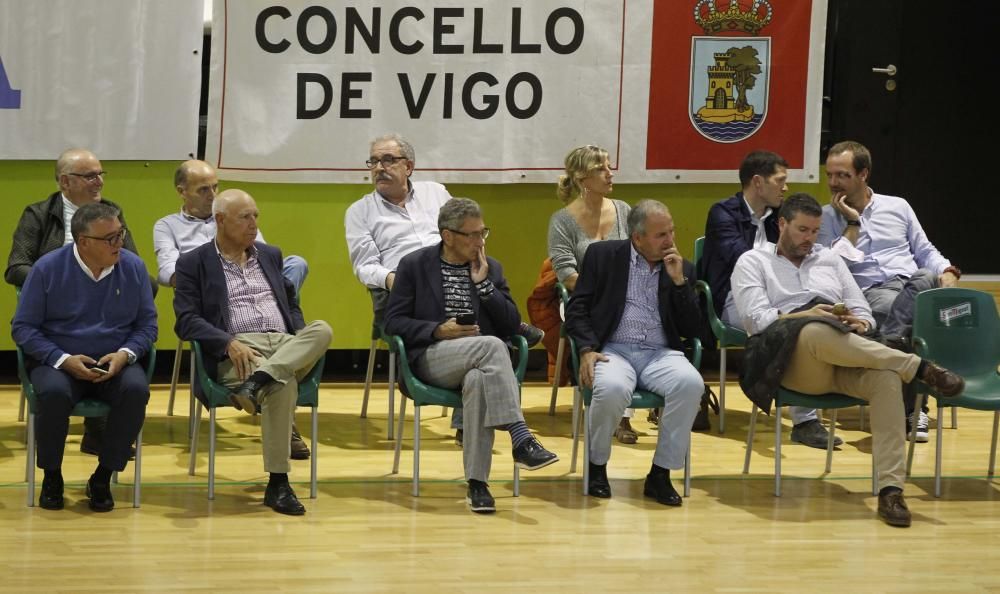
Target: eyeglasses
{"points": [[477, 235], [112, 240], [385, 160], [90, 177]]}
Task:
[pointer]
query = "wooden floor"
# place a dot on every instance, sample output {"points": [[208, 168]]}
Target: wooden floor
{"points": [[365, 532]]}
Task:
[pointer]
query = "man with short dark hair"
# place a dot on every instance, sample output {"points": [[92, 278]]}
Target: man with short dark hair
{"points": [[884, 247], [231, 297], [85, 316], [438, 285], [785, 296], [45, 226], [746, 221], [634, 301]]}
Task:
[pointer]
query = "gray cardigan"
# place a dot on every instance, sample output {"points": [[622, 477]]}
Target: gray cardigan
{"points": [[568, 243]]}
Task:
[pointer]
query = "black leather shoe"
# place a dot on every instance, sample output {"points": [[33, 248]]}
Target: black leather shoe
{"points": [[281, 498], [597, 483], [659, 488], [479, 498], [300, 451], [892, 508], [244, 397], [100, 496], [51, 496], [530, 455]]}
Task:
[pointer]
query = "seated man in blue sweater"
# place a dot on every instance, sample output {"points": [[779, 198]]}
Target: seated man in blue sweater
{"points": [[85, 316]]}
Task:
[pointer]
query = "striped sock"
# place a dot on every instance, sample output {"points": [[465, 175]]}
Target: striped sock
{"points": [[519, 433]]}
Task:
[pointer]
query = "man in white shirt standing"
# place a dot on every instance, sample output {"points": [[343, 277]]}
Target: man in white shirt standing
{"points": [[197, 184]]}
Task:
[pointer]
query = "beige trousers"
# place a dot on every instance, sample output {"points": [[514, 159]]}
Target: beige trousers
{"points": [[287, 358], [827, 360]]}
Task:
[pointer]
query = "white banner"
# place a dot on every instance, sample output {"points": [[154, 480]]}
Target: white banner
{"points": [[499, 90], [119, 77]]}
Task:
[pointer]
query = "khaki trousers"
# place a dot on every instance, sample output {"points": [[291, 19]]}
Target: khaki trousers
{"points": [[827, 360], [287, 358]]}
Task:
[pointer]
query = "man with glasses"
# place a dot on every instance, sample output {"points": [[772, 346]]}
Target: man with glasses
{"points": [[451, 306], [86, 315], [397, 218], [45, 227], [197, 184]]}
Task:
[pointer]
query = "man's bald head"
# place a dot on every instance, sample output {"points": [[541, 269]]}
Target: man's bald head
{"points": [[79, 175], [235, 215], [197, 184]]}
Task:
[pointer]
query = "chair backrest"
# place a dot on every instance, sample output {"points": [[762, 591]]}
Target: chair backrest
{"points": [[959, 329], [699, 249]]}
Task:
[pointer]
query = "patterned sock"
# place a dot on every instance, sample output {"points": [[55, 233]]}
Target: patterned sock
{"points": [[519, 433]]}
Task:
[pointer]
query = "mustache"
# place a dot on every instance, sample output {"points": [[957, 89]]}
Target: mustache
{"points": [[383, 177]]}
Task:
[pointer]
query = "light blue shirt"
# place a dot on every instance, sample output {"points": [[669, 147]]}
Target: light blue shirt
{"points": [[640, 323], [891, 242], [178, 234]]}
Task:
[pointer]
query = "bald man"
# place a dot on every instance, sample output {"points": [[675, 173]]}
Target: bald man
{"points": [[231, 297], [45, 227]]}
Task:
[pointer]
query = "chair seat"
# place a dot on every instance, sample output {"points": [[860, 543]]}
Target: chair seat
{"points": [[788, 397], [91, 408], [730, 336]]}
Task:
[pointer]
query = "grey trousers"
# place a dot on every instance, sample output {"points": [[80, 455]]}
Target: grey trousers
{"points": [[661, 370], [827, 360], [893, 302], [491, 397], [287, 358]]}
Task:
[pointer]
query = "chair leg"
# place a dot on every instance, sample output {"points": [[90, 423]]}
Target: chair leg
{"points": [[954, 417], [777, 451], [392, 391], [829, 441], [137, 485], [399, 435], [416, 451], [20, 407], [192, 401], [556, 378], [29, 466], [874, 476], [750, 432], [368, 377], [914, 416], [937, 456], [211, 454], [722, 389], [577, 405], [993, 444], [444, 411], [861, 417], [517, 481], [315, 452], [687, 473], [195, 426], [586, 451], [174, 376]]}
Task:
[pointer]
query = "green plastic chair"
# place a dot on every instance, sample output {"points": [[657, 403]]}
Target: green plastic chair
{"points": [[423, 394], [640, 399], [786, 397], [215, 395], [88, 407], [563, 295], [960, 329], [728, 336]]}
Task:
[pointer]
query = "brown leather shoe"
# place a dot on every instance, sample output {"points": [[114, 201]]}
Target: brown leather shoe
{"points": [[892, 508], [942, 381]]}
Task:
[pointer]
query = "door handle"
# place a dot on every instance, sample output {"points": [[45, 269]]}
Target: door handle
{"points": [[889, 70]]}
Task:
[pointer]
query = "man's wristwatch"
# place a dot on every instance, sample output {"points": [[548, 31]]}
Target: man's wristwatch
{"points": [[131, 357], [853, 223]]}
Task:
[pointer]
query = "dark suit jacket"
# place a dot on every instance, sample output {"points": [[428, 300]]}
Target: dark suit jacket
{"points": [[598, 302], [729, 231], [42, 230], [201, 299], [416, 303]]}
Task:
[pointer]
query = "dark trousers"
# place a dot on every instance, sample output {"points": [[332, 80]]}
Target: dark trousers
{"points": [[58, 392]]}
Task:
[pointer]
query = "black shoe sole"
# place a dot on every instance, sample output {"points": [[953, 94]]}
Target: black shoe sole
{"points": [[302, 456], [481, 509], [287, 512], [524, 466], [51, 506], [94, 506], [600, 495], [895, 523], [652, 495]]}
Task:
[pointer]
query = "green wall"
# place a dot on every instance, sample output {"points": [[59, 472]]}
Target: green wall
{"points": [[308, 220]]}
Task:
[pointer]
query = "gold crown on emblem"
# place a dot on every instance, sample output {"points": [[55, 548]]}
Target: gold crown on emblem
{"points": [[734, 19]]}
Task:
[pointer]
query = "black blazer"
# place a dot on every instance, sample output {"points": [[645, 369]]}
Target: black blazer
{"points": [[596, 308], [416, 303], [729, 231], [201, 299]]}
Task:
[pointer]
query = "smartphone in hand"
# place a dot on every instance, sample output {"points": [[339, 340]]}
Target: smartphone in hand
{"points": [[466, 319], [101, 369]]}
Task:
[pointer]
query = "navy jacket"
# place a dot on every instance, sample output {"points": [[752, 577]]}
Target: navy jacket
{"points": [[729, 232], [598, 301], [416, 303], [201, 299]]}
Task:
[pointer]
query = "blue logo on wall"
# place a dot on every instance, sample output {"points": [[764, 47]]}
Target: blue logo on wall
{"points": [[9, 98]]}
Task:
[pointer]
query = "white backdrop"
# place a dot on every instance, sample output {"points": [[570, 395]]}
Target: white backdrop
{"points": [[120, 77]]}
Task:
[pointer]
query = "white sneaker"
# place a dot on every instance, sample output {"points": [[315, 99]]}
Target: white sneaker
{"points": [[923, 424]]}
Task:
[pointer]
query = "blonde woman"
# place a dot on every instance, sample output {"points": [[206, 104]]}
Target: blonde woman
{"points": [[589, 216]]}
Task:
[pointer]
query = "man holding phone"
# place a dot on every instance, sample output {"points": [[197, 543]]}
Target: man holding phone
{"points": [[451, 306], [85, 316]]}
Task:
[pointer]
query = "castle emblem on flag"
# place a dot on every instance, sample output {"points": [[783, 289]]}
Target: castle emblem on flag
{"points": [[730, 67]]}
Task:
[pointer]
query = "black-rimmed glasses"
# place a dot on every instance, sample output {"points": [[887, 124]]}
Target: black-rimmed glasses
{"points": [[385, 160], [475, 234], [112, 240]]}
